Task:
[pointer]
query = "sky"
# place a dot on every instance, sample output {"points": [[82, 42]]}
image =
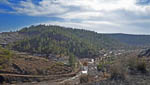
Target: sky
{"points": [[102, 16]]}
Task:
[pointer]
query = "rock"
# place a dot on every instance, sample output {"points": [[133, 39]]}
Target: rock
{"points": [[145, 53]]}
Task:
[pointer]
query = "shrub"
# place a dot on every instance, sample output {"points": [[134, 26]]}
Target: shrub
{"points": [[136, 65], [72, 61], [99, 66], [118, 72], [5, 56], [132, 62], [141, 66]]}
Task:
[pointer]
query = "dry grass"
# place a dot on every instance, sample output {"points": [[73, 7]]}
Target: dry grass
{"points": [[34, 66], [118, 72], [123, 67], [136, 64]]}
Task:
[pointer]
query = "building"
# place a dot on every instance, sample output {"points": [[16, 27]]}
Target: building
{"points": [[85, 70]]}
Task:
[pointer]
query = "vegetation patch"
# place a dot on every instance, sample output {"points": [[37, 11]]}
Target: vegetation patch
{"points": [[118, 72], [5, 56], [136, 64], [61, 41]]}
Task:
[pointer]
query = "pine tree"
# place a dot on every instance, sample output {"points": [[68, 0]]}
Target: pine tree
{"points": [[72, 61]]}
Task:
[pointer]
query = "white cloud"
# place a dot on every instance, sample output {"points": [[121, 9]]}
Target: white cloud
{"points": [[45, 8], [48, 7], [81, 15], [98, 15]]}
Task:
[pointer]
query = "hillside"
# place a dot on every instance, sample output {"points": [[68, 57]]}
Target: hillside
{"points": [[134, 40], [62, 41], [8, 37]]}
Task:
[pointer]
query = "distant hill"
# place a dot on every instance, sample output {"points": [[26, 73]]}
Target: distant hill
{"points": [[133, 40], [8, 37], [63, 41]]}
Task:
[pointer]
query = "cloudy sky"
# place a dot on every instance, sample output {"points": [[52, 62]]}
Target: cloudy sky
{"points": [[103, 16]]}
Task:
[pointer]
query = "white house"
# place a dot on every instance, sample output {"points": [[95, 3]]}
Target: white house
{"points": [[85, 70]]}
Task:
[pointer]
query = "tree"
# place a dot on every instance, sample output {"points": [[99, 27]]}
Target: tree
{"points": [[72, 61], [58, 40]]}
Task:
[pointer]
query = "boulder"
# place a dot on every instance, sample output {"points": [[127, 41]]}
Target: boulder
{"points": [[144, 53]]}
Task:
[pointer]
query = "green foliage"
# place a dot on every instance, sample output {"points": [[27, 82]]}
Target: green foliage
{"points": [[133, 40], [5, 56], [102, 65], [99, 66], [63, 41], [72, 61]]}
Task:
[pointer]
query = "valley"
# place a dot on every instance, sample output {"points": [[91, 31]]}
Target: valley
{"points": [[74, 42], [55, 55]]}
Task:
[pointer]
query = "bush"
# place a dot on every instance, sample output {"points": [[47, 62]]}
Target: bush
{"points": [[99, 66], [118, 72], [5, 56], [84, 79], [132, 62], [136, 65], [141, 66]]}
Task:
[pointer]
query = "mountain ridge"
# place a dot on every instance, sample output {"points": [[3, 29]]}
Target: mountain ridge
{"points": [[68, 41], [132, 39], [60, 40]]}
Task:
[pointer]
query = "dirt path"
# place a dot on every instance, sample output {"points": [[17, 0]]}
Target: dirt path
{"points": [[18, 75], [75, 78]]}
